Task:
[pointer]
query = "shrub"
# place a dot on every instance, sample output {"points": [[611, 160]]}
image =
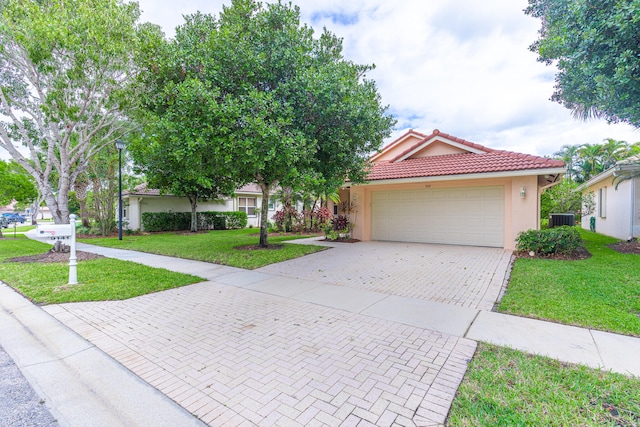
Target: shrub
{"points": [[235, 219], [288, 219], [178, 221], [340, 222], [558, 240]]}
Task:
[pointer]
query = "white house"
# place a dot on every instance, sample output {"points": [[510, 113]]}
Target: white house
{"points": [[143, 199], [617, 210]]}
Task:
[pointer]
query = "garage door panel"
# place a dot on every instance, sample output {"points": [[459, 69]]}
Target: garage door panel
{"points": [[465, 216]]}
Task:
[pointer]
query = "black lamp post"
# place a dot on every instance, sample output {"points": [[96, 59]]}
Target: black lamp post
{"points": [[120, 145]]}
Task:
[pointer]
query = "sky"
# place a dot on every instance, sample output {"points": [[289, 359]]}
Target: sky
{"points": [[460, 66]]}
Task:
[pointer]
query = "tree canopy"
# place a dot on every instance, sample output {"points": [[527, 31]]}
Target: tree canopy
{"points": [[594, 44], [267, 101], [584, 161], [65, 68], [15, 184]]}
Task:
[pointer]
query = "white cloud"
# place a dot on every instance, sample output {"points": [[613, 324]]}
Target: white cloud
{"points": [[461, 66]]}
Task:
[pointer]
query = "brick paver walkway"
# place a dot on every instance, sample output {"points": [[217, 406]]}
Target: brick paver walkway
{"points": [[465, 276], [236, 357]]}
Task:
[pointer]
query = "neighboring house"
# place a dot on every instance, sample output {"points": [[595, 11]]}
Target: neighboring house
{"points": [[616, 210], [143, 199], [441, 189]]}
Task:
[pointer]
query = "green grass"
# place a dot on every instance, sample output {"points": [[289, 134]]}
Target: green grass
{"points": [[505, 387], [100, 279], [602, 292], [19, 228], [215, 246]]}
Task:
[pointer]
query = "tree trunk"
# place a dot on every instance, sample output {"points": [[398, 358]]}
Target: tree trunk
{"points": [[193, 199], [264, 213]]}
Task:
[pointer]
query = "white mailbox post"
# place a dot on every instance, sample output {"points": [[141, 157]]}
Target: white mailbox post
{"points": [[62, 232]]}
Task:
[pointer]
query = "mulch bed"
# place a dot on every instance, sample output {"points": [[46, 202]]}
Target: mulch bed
{"points": [[52, 256], [341, 240], [580, 253], [630, 247]]}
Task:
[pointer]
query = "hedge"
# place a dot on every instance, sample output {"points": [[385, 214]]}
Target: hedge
{"points": [[561, 240], [178, 221]]}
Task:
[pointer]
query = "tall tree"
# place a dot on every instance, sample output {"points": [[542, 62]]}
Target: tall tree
{"points": [[569, 155], [295, 109], [66, 65], [591, 160], [594, 44], [179, 150]]}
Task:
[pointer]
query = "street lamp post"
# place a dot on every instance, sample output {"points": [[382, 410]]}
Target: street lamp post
{"points": [[120, 145]]}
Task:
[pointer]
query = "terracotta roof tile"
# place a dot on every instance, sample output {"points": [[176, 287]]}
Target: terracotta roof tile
{"points": [[460, 164]]}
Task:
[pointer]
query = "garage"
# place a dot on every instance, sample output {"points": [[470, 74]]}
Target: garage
{"points": [[461, 216]]}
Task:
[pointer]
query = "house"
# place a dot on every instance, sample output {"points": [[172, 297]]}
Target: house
{"points": [[143, 199], [615, 204], [438, 188]]}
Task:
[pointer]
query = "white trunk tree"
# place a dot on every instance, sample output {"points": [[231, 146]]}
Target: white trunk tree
{"points": [[66, 67]]}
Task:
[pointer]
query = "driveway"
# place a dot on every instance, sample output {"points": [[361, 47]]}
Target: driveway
{"points": [[465, 276], [301, 343]]}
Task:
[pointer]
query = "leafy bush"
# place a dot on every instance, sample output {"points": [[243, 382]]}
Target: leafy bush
{"points": [[288, 219], [178, 221], [340, 222], [235, 219], [558, 240]]}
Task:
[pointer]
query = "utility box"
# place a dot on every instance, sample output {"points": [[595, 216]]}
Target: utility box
{"points": [[53, 231], [559, 219]]}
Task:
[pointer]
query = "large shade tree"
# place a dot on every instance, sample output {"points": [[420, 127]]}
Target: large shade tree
{"points": [[179, 149], [294, 110], [65, 67], [594, 44]]}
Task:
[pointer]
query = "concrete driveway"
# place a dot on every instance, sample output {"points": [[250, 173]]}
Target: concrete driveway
{"points": [[465, 276]]}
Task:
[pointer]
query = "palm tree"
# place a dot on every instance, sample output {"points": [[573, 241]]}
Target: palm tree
{"points": [[569, 155], [614, 151], [590, 160]]}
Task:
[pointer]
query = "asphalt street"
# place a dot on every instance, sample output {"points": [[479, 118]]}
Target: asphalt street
{"points": [[20, 406]]}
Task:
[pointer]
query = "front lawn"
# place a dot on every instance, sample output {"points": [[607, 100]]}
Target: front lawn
{"points": [[219, 246], [602, 292], [505, 387], [100, 279]]}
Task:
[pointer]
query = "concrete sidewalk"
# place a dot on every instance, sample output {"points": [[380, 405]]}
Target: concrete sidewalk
{"points": [[81, 385], [84, 386]]}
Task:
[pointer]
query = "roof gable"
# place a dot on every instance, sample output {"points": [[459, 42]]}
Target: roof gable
{"points": [[441, 154], [398, 146]]}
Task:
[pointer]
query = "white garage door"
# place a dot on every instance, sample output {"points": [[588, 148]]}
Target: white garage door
{"points": [[461, 216]]}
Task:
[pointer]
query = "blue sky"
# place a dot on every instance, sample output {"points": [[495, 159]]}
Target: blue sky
{"points": [[461, 66]]}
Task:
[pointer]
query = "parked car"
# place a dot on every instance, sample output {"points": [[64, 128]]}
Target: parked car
{"points": [[4, 222], [12, 217]]}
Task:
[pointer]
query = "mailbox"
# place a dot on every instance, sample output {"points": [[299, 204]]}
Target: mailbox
{"points": [[53, 232]]}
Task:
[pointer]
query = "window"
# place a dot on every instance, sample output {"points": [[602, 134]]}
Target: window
{"points": [[248, 205], [602, 202], [272, 205]]}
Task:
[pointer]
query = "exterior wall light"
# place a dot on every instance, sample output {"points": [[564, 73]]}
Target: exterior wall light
{"points": [[523, 192]]}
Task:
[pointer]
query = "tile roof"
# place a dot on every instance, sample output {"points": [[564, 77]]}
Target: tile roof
{"points": [[489, 161], [142, 190]]}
